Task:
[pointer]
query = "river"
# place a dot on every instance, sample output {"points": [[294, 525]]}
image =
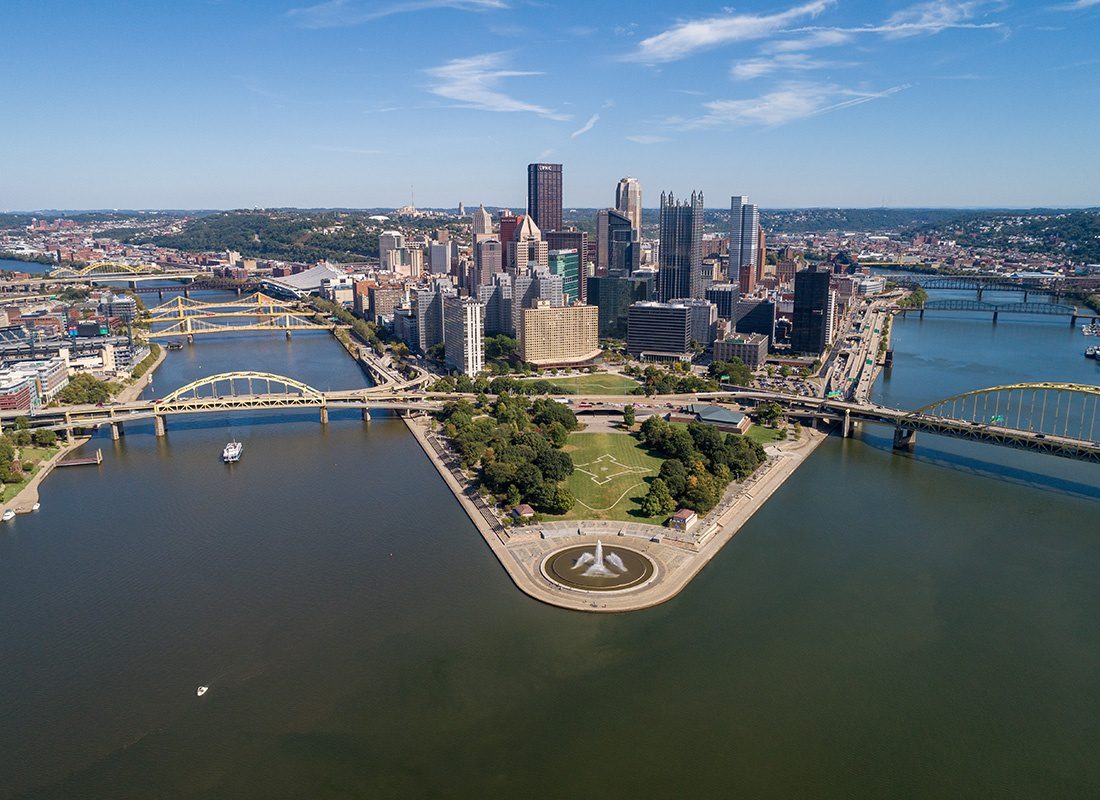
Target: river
{"points": [[886, 625]]}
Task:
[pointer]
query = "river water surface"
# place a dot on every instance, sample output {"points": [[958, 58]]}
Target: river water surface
{"points": [[924, 626]]}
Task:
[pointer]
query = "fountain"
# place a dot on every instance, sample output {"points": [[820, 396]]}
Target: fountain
{"points": [[585, 567]]}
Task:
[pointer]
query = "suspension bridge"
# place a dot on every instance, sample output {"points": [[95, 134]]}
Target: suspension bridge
{"points": [[187, 317]]}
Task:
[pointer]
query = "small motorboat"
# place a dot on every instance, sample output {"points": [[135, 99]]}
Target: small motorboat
{"points": [[232, 452], [36, 506], [9, 515], [201, 691]]}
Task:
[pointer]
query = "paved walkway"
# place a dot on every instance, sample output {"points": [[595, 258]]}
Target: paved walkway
{"points": [[521, 551]]}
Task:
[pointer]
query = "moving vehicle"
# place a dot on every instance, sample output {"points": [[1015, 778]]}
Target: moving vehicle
{"points": [[201, 691]]}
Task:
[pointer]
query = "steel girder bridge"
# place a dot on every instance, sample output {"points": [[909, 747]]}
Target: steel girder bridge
{"points": [[257, 312], [996, 309]]}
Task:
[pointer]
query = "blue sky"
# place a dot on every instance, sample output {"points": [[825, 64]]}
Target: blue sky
{"points": [[361, 103]]}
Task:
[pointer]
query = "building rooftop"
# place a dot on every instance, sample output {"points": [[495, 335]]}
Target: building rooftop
{"points": [[707, 412]]}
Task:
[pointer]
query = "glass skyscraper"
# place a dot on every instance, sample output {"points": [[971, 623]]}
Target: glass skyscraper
{"points": [[680, 259]]}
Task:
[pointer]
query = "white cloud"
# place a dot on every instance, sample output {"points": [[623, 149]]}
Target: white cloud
{"points": [[689, 37], [344, 13], [1080, 4], [922, 19], [783, 62], [788, 102], [472, 83], [586, 127], [813, 40], [647, 139]]}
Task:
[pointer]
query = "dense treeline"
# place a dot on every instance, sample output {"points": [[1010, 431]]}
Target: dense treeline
{"points": [[734, 371], [282, 235], [85, 389], [498, 385], [366, 331], [675, 380], [516, 447], [700, 463]]}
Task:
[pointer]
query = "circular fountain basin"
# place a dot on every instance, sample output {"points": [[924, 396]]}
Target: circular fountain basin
{"points": [[619, 568]]}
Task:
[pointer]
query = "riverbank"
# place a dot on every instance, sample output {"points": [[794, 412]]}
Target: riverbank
{"points": [[521, 551], [23, 502], [131, 392]]}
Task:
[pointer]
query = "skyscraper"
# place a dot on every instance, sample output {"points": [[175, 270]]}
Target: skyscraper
{"points": [[623, 250], [463, 342], [567, 263], [680, 261], [745, 256], [544, 195], [483, 222], [508, 224], [527, 246], [812, 311], [628, 199], [488, 260]]}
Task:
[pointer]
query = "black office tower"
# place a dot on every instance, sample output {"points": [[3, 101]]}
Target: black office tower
{"points": [[810, 332], [680, 260], [544, 195]]}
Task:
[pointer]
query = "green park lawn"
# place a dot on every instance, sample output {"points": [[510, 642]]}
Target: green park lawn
{"points": [[763, 435], [609, 477], [596, 383]]}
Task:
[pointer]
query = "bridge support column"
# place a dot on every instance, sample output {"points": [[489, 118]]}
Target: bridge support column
{"points": [[160, 294], [904, 439], [922, 312], [288, 334], [186, 290], [366, 415], [116, 430], [846, 427], [1073, 320], [324, 415], [190, 338], [159, 427], [995, 317], [979, 293], [1025, 295]]}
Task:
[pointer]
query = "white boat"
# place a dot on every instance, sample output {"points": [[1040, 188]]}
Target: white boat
{"points": [[36, 506], [201, 691], [232, 452], [8, 515]]}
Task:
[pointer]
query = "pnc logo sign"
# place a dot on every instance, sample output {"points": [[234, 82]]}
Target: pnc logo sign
{"points": [[546, 167]]}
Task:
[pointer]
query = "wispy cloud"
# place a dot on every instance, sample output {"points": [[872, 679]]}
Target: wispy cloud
{"points": [[586, 127], [922, 19], [689, 37], [1079, 5], [345, 13], [783, 62], [811, 41], [788, 102], [472, 83], [646, 138]]}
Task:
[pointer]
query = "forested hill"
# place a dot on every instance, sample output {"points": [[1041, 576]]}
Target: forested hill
{"points": [[1074, 235], [284, 235]]}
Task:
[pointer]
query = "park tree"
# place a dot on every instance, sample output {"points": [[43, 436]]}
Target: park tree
{"points": [[674, 475], [555, 465], [556, 433], [44, 438], [658, 500], [628, 415], [512, 496], [769, 413]]}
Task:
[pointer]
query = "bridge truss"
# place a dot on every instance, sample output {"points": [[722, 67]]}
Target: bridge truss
{"points": [[1055, 418], [105, 268], [1049, 309]]}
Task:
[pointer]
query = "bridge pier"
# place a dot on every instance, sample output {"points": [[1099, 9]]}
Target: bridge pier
{"points": [[904, 439], [159, 426], [1073, 320], [922, 312], [288, 334], [324, 415], [187, 290], [995, 317], [979, 292], [846, 426], [190, 338], [116, 431], [366, 414]]}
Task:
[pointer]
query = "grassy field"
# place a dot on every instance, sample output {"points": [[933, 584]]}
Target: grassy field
{"points": [[609, 479], [29, 453], [597, 383], [763, 435]]}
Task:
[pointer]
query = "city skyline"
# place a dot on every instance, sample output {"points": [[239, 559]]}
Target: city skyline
{"points": [[337, 104]]}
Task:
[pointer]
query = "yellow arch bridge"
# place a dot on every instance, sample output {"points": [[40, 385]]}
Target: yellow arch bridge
{"points": [[1054, 418]]}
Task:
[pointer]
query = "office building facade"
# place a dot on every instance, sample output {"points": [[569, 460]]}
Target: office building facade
{"points": [[628, 201], [725, 297], [561, 336], [567, 264], [463, 342], [613, 297], [744, 254], [544, 195], [659, 332], [812, 311], [751, 348], [755, 316], [680, 258]]}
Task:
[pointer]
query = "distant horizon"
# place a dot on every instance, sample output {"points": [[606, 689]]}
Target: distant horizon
{"points": [[468, 208]]}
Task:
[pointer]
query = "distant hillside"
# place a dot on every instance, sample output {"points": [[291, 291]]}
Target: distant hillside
{"points": [[1073, 235], [281, 235]]}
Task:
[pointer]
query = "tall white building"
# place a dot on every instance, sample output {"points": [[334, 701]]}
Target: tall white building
{"points": [[387, 241], [483, 221], [744, 242], [463, 334], [628, 199]]}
